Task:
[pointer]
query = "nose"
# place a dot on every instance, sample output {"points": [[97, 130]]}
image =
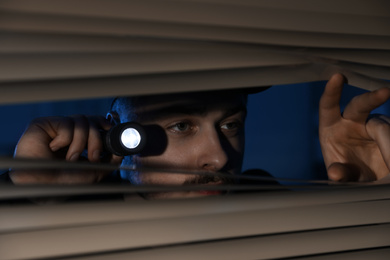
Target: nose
{"points": [[211, 155]]}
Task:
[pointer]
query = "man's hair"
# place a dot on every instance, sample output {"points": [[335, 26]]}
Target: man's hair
{"points": [[133, 100], [126, 105]]}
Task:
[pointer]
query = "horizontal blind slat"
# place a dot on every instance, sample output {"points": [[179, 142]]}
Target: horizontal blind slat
{"points": [[152, 232], [192, 12]]}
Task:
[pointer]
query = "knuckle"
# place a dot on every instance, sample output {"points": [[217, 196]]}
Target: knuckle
{"points": [[80, 120], [64, 138], [378, 123]]}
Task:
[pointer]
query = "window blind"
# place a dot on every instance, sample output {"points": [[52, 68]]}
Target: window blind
{"points": [[57, 50], [52, 50], [274, 225]]}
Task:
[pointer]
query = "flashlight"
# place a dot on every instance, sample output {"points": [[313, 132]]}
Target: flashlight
{"points": [[125, 139]]}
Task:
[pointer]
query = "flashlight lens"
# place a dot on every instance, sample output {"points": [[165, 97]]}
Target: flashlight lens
{"points": [[130, 138]]}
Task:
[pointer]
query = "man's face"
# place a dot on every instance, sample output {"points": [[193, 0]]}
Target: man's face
{"points": [[205, 132]]}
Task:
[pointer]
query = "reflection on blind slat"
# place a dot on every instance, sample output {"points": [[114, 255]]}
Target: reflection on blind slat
{"points": [[200, 12], [284, 246], [173, 82], [15, 219], [25, 22], [51, 66], [17, 67], [211, 225]]}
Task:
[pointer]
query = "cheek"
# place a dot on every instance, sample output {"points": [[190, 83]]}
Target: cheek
{"points": [[235, 143], [176, 156], [235, 148], [238, 144]]}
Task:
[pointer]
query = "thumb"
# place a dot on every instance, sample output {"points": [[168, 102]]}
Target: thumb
{"points": [[343, 172]]}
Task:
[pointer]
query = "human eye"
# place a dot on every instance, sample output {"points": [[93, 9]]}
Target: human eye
{"points": [[180, 127], [231, 127]]}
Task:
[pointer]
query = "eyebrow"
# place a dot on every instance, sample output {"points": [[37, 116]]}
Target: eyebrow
{"points": [[188, 109]]}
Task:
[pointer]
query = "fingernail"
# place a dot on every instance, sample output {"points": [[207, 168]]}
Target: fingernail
{"points": [[96, 155], [74, 157], [54, 148]]}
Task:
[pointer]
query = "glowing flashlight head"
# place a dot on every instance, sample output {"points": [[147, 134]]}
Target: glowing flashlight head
{"points": [[125, 139], [130, 138]]}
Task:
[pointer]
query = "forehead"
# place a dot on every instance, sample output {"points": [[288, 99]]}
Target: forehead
{"points": [[149, 107]]}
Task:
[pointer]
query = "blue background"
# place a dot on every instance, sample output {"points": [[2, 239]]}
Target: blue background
{"points": [[281, 128]]}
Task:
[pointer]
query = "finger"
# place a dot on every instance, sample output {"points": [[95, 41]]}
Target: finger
{"points": [[384, 180], [80, 138], [95, 143], [106, 125], [378, 128], [361, 106], [115, 159], [342, 172], [103, 122], [61, 132], [329, 108]]}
